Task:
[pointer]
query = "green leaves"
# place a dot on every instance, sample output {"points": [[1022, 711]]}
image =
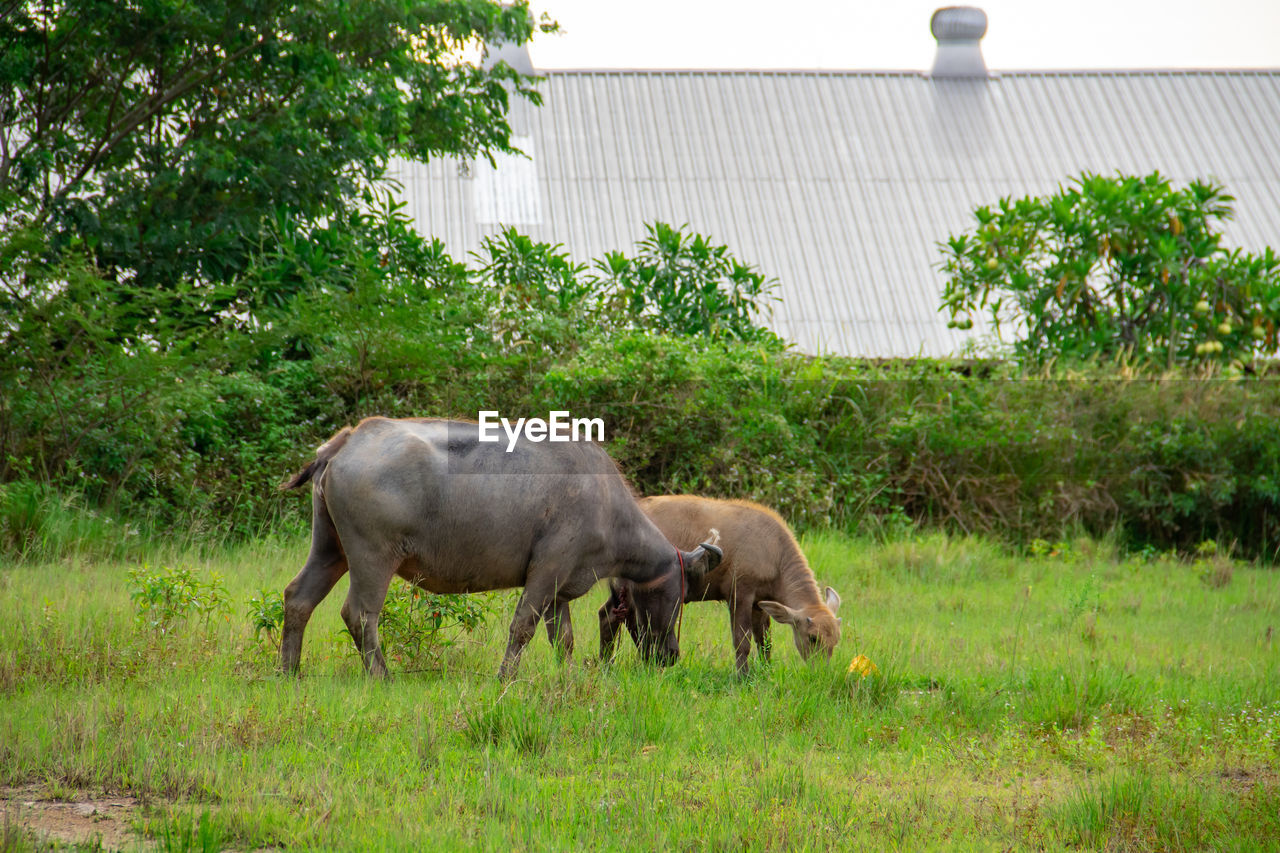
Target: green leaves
{"points": [[1115, 267], [680, 283], [163, 137], [164, 597], [676, 282], [413, 622]]}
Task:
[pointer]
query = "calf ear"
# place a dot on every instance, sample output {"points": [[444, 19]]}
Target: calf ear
{"points": [[782, 613], [832, 600]]}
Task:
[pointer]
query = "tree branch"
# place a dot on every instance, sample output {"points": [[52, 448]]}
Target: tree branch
{"points": [[143, 112]]}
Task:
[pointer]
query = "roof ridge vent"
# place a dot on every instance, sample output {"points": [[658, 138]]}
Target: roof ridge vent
{"points": [[959, 29]]}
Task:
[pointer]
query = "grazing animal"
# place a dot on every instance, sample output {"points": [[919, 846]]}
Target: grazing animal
{"points": [[427, 500], [763, 574]]}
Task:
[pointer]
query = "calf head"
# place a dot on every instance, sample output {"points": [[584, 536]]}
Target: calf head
{"points": [[651, 611], [814, 627]]}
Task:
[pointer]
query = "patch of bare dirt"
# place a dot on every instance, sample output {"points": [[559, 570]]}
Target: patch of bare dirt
{"points": [[82, 820], [1243, 780]]}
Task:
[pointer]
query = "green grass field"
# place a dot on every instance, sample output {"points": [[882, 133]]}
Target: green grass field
{"points": [[1066, 700]]}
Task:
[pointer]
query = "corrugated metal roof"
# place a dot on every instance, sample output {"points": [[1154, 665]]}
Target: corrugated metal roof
{"points": [[841, 184]]}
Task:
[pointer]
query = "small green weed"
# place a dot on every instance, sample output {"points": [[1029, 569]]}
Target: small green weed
{"points": [[1069, 699], [1041, 548], [1087, 598], [266, 614], [879, 689], [414, 623], [186, 833], [167, 596]]}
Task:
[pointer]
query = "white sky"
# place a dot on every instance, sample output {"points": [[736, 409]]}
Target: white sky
{"points": [[894, 34]]}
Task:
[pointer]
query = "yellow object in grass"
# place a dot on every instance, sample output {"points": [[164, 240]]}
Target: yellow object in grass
{"points": [[863, 666]]}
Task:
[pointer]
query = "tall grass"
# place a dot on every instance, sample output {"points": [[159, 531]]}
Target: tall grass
{"points": [[1138, 811], [40, 524]]}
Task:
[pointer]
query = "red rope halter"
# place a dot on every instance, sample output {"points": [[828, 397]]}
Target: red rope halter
{"points": [[680, 604]]}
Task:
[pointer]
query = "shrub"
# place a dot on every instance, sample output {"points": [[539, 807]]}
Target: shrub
{"points": [[1116, 266], [40, 522], [24, 509], [266, 613], [681, 283], [165, 597], [414, 624]]}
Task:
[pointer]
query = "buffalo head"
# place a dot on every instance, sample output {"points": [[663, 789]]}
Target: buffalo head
{"points": [[651, 611]]}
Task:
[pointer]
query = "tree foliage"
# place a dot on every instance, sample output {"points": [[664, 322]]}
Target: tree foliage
{"points": [[680, 282], [172, 139], [1116, 266], [675, 281]]}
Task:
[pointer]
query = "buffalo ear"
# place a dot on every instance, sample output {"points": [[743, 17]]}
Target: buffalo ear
{"points": [[702, 560], [781, 612], [832, 600], [714, 553]]}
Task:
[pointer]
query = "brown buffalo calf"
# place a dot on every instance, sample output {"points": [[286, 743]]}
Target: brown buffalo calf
{"points": [[763, 574]]}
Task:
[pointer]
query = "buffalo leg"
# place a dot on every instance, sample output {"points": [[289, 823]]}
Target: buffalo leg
{"points": [[301, 597], [548, 589], [370, 580], [615, 612], [560, 629], [760, 630], [324, 566], [608, 632], [523, 624], [740, 629]]}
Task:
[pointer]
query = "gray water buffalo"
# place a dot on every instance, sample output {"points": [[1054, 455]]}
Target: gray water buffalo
{"points": [[429, 501], [763, 574]]}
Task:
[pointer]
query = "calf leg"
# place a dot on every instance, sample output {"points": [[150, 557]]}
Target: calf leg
{"points": [[608, 630], [613, 614], [325, 565], [760, 630], [740, 629]]}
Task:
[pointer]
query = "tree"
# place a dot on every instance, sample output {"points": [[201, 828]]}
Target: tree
{"points": [[1116, 266], [680, 282], [172, 139]]}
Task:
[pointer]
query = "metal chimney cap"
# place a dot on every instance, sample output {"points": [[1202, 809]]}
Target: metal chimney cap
{"points": [[958, 23], [959, 31], [515, 55]]}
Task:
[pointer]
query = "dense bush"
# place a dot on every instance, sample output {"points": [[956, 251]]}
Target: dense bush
{"points": [[191, 433], [833, 442]]}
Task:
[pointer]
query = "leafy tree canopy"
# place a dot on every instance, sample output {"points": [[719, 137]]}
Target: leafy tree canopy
{"points": [[172, 139], [676, 282], [1116, 267]]}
